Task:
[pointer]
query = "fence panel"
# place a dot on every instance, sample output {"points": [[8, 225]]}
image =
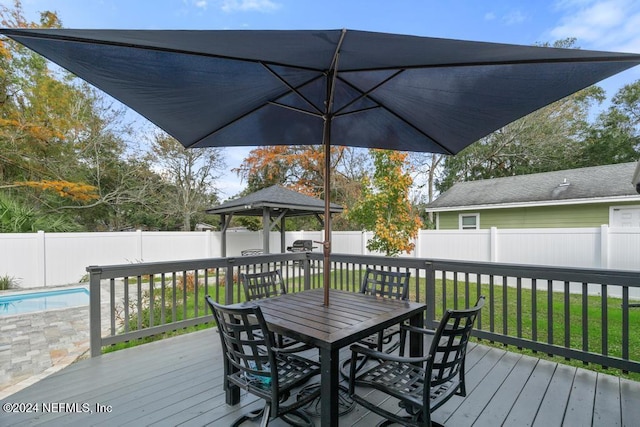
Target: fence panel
{"points": [[576, 247], [54, 259]]}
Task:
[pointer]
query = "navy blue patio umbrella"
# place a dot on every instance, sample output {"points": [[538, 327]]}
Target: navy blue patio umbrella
{"points": [[341, 87]]}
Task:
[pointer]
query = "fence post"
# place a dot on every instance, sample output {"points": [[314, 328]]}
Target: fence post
{"points": [[139, 246], [95, 314], [604, 246], [363, 242], [207, 244], [493, 244], [41, 261]]}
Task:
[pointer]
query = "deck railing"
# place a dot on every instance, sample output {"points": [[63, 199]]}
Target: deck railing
{"points": [[583, 314]]}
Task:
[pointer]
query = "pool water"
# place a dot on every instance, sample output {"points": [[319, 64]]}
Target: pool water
{"points": [[41, 301]]}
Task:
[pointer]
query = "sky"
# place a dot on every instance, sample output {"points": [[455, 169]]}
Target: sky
{"points": [[610, 25]]}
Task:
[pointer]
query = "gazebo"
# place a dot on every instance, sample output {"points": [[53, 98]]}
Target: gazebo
{"points": [[274, 204]]}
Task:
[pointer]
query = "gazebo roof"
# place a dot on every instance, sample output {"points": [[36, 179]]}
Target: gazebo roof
{"points": [[275, 198]]}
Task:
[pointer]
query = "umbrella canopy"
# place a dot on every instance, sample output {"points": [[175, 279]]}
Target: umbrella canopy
{"points": [[356, 88]]}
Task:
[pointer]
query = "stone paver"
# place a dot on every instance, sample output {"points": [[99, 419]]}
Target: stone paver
{"points": [[29, 350], [35, 345]]}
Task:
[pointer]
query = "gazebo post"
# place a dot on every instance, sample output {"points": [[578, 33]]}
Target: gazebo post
{"points": [[282, 235], [266, 228]]}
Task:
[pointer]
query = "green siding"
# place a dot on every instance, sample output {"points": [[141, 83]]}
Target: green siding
{"points": [[588, 215]]}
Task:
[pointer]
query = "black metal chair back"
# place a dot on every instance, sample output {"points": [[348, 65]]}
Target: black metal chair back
{"points": [[421, 385], [448, 351], [262, 285], [255, 364], [388, 284]]}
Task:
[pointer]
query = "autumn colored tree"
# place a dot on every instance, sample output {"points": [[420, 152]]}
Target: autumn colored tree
{"points": [[385, 207], [63, 154]]}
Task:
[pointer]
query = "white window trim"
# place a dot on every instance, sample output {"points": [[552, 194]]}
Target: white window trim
{"points": [[476, 215]]}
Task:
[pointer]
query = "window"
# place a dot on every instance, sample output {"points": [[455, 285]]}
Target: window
{"points": [[469, 221]]}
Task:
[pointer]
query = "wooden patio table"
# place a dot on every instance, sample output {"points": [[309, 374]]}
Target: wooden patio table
{"points": [[348, 318]]}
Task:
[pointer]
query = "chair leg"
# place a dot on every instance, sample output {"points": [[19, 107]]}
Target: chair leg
{"points": [[344, 369], [254, 415], [298, 419]]}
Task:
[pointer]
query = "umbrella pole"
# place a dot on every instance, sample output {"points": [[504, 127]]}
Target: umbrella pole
{"points": [[326, 244], [326, 141]]}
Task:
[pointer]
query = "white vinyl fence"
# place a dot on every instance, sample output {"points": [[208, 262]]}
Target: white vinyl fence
{"points": [[53, 259]]}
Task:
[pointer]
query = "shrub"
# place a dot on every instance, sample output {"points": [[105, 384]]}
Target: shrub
{"points": [[8, 282]]}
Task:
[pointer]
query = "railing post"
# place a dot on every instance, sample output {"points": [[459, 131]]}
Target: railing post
{"points": [[307, 272], [430, 297], [95, 312], [228, 279]]}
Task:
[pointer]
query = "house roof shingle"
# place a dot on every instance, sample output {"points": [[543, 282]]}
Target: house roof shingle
{"points": [[597, 182]]}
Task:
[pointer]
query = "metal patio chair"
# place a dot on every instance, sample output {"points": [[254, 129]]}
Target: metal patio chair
{"points": [[420, 384], [264, 285], [387, 284], [256, 365]]}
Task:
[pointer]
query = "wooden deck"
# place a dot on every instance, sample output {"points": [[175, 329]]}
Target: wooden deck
{"points": [[177, 381]]}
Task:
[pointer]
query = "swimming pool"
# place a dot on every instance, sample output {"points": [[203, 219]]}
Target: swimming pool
{"points": [[41, 301]]}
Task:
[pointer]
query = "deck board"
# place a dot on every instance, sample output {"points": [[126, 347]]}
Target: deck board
{"points": [[498, 408], [526, 405], [606, 409], [580, 407], [178, 381]]}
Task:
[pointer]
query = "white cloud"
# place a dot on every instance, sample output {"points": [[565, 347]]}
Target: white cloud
{"points": [[201, 4], [514, 17], [249, 6], [489, 16], [601, 24]]}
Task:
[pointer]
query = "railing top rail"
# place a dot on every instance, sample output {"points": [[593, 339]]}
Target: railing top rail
{"points": [[145, 268], [585, 275], [543, 272]]}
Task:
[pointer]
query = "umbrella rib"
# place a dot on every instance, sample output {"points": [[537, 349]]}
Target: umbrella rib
{"points": [[294, 90], [298, 110], [613, 58], [367, 94]]}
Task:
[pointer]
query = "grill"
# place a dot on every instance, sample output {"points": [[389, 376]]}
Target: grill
{"points": [[301, 246]]}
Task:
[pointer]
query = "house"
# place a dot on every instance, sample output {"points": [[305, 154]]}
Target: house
{"points": [[585, 197]]}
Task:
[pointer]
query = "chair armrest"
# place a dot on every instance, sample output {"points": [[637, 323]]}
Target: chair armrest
{"points": [[374, 354], [293, 349], [423, 331]]}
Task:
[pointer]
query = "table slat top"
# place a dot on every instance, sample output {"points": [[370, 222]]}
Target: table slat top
{"points": [[348, 318]]}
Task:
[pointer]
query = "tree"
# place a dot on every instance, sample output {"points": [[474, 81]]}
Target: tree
{"points": [[615, 136], [191, 173], [385, 207], [427, 167]]}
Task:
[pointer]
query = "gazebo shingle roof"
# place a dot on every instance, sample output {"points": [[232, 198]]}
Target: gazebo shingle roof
{"points": [[274, 197]]}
